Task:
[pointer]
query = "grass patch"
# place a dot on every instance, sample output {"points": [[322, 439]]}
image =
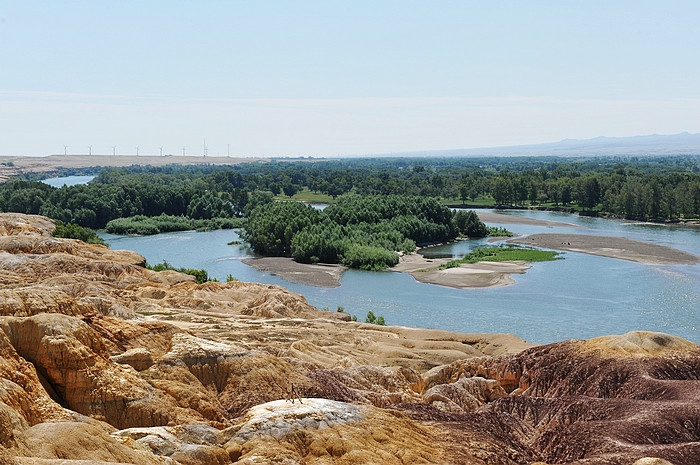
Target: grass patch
{"points": [[305, 195], [499, 231], [503, 254]]}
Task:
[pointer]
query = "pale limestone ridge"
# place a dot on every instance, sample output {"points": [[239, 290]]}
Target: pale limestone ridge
{"points": [[280, 417], [639, 343]]}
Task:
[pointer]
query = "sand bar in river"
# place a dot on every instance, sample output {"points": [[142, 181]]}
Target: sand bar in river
{"points": [[613, 247], [472, 275], [321, 275], [500, 218]]}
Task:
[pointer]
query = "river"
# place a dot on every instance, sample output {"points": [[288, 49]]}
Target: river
{"points": [[68, 181], [579, 297]]}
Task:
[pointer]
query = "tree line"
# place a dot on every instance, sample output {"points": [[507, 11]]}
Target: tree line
{"points": [[643, 188]]}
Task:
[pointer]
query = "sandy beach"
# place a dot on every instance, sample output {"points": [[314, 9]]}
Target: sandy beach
{"points": [[500, 218], [321, 275], [472, 275], [613, 247]]}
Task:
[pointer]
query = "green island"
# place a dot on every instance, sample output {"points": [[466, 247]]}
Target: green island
{"points": [[503, 254], [149, 225], [365, 232]]}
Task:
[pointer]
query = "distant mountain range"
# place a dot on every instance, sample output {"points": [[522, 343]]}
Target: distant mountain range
{"points": [[675, 144]]}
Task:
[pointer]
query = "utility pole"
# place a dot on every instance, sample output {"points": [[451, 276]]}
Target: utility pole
{"points": [[65, 150], [90, 150], [114, 150], [161, 151], [183, 151], [137, 150], [228, 150]]}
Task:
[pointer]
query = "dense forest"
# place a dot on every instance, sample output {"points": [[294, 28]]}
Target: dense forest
{"points": [[663, 188]]}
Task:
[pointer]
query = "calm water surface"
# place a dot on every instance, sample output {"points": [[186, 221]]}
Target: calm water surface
{"points": [[68, 181], [578, 297]]}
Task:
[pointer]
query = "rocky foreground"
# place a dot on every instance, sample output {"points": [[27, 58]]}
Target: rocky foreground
{"points": [[104, 361]]}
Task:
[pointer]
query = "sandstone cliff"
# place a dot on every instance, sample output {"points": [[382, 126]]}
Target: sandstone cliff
{"points": [[104, 361]]}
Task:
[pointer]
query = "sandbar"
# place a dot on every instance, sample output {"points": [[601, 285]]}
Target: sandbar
{"points": [[612, 247], [471, 275], [500, 218], [320, 275]]}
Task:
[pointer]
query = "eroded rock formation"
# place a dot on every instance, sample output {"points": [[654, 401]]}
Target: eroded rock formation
{"points": [[104, 361]]}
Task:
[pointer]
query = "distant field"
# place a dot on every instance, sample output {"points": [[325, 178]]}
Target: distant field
{"points": [[12, 166]]}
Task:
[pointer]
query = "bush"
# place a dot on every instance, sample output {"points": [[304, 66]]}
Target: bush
{"points": [[369, 258], [200, 275], [73, 231], [374, 320], [498, 231]]}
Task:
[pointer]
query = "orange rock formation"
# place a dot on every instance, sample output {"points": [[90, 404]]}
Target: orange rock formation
{"points": [[104, 361]]}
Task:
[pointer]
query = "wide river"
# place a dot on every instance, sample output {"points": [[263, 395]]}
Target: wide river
{"points": [[579, 297]]}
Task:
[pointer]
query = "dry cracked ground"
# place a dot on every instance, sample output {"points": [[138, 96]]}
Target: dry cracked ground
{"points": [[104, 361]]}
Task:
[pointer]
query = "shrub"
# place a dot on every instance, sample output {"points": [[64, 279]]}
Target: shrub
{"points": [[73, 231], [374, 319], [369, 258], [200, 275]]}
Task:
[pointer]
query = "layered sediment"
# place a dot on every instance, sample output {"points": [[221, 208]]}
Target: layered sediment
{"points": [[104, 361]]}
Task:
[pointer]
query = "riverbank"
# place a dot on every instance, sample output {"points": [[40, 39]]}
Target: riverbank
{"points": [[425, 270], [612, 247]]}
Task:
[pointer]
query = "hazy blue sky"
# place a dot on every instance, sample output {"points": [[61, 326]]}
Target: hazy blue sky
{"points": [[290, 78]]}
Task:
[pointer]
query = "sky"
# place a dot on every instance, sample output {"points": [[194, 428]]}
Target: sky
{"points": [[335, 78]]}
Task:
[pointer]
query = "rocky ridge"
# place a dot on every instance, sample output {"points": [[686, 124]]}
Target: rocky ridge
{"points": [[104, 361]]}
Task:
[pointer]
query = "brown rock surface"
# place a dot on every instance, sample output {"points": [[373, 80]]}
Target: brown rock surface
{"points": [[103, 361]]}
